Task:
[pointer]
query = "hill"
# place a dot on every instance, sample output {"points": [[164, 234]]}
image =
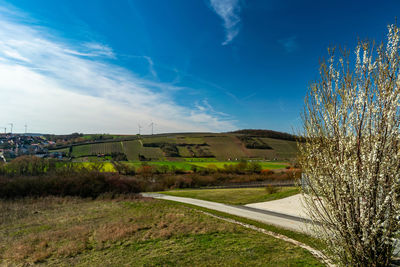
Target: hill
{"points": [[243, 144]]}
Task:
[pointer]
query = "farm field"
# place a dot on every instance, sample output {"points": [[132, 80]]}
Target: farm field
{"points": [[221, 164], [224, 147], [95, 149], [235, 196], [133, 150], [183, 165], [142, 232], [177, 164], [178, 147], [62, 150], [283, 149]]}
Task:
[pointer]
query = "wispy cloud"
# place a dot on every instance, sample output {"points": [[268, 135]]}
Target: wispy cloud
{"points": [[151, 66], [289, 44], [229, 11], [60, 86], [204, 106]]}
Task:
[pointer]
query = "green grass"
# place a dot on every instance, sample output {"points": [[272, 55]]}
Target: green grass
{"points": [[200, 159], [107, 166], [220, 164], [225, 147], [284, 149], [189, 140], [221, 146], [160, 139], [106, 148], [304, 238], [235, 196], [79, 151], [144, 232], [64, 150], [131, 149], [182, 165], [178, 164]]}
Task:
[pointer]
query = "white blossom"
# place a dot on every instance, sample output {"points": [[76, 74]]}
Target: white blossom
{"points": [[351, 154]]}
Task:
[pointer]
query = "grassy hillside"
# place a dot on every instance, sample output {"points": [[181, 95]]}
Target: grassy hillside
{"points": [[133, 150], [132, 232], [222, 147]]}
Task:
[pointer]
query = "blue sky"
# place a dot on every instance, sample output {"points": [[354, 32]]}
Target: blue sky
{"points": [[186, 65]]}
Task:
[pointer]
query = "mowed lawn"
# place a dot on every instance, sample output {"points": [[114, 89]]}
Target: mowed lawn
{"points": [[235, 196], [132, 232]]}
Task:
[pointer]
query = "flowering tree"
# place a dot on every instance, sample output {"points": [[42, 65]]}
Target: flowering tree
{"points": [[351, 156]]}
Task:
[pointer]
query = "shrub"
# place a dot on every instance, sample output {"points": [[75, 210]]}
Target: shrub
{"points": [[123, 168], [86, 184], [271, 189]]}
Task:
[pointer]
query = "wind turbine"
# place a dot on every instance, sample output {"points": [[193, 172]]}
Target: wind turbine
{"points": [[26, 128], [152, 127], [12, 125]]}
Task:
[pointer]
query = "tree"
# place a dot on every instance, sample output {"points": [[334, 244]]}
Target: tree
{"points": [[351, 157]]}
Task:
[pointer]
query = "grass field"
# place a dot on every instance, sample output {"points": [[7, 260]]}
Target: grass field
{"points": [[64, 150], [220, 164], [200, 159], [223, 147], [83, 232], [182, 165], [283, 149], [178, 164], [107, 166], [106, 148], [133, 149], [82, 150], [236, 196]]}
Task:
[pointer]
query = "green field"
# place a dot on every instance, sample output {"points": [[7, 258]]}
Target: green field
{"points": [[128, 232], [82, 150], [235, 196], [226, 147], [133, 149], [95, 149], [63, 150], [221, 147], [283, 149], [177, 164], [107, 166], [221, 164], [182, 165]]}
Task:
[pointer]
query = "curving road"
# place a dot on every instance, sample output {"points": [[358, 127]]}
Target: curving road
{"points": [[269, 217]]}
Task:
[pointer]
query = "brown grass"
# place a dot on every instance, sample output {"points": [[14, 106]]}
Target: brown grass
{"points": [[34, 230]]}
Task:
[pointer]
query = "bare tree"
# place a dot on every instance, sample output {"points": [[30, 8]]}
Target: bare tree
{"points": [[351, 156]]}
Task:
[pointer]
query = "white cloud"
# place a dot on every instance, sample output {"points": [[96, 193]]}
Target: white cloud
{"points": [[57, 87], [228, 10]]}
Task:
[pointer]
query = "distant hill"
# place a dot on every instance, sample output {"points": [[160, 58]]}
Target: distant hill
{"points": [[267, 133], [243, 144]]}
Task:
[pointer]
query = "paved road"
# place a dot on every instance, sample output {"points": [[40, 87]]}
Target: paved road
{"points": [[282, 220], [269, 217]]}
